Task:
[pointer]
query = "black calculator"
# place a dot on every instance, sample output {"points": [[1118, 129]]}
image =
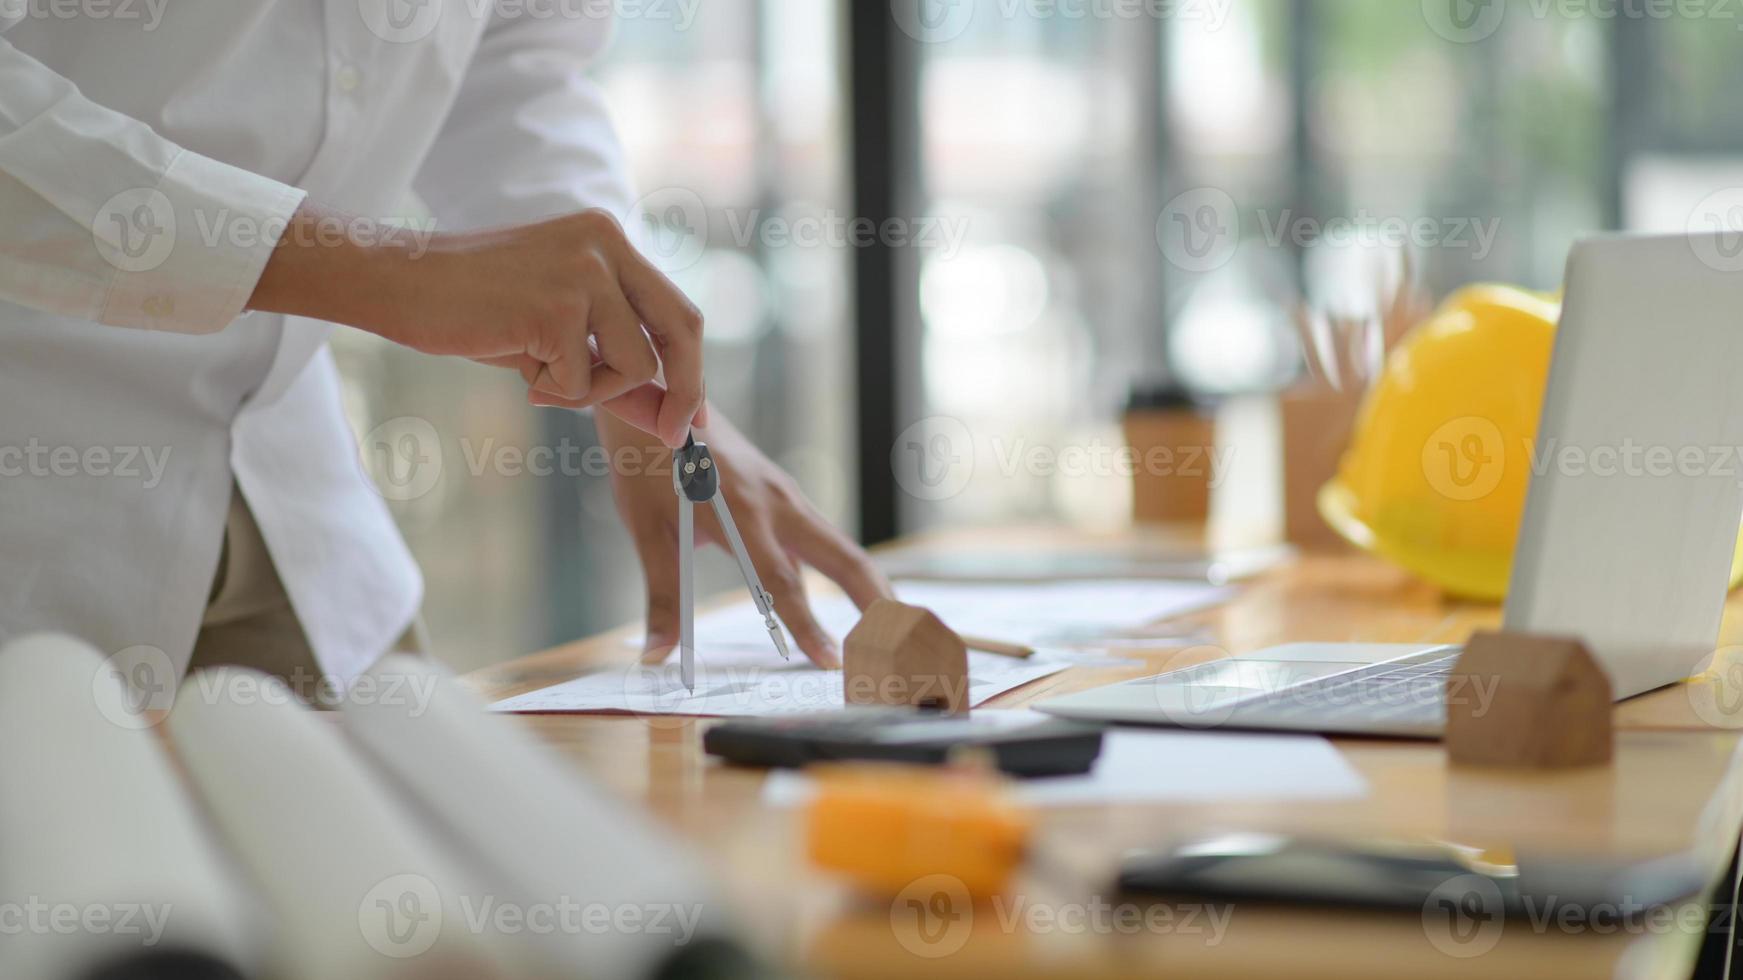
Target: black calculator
{"points": [[1018, 743]]}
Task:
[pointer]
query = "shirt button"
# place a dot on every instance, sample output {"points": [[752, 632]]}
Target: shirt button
{"points": [[349, 78]]}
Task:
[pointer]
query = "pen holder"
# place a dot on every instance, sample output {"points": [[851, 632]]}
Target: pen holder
{"points": [[904, 655], [1537, 702], [1317, 422]]}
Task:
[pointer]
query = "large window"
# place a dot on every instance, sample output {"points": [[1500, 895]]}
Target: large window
{"points": [[1155, 199], [1036, 159]]}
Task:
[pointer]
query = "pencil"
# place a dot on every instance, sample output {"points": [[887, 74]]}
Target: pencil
{"points": [[999, 647]]}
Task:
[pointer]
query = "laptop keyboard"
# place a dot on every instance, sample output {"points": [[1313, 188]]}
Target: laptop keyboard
{"points": [[1390, 692]]}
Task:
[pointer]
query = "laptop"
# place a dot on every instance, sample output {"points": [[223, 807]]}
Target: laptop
{"points": [[1633, 556]]}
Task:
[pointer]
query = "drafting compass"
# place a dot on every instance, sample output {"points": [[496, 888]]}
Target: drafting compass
{"points": [[697, 481]]}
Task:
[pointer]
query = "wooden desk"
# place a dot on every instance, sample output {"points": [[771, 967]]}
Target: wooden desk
{"points": [[1675, 787]]}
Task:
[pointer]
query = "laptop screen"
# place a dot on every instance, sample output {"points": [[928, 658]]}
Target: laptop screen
{"points": [[1636, 483]]}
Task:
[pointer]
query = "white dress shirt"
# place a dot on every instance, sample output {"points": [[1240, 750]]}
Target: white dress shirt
{"points": [[147, 166]]}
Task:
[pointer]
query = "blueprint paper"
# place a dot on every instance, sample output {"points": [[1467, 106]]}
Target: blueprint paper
{"points": [[745, 682]]}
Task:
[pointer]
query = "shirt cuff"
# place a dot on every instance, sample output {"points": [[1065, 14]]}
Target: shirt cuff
{"points": [[189, 252]]}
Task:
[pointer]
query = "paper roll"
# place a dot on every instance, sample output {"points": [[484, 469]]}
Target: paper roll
{"points": [[513, 804], [108, 869], [358, 887]]}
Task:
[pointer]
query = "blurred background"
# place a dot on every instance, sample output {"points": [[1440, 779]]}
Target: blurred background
{"points": [[931, 236]]}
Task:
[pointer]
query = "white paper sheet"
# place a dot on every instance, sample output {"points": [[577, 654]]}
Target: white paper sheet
{"points": [[1163, 766], [746, 682], [1053, 614]]}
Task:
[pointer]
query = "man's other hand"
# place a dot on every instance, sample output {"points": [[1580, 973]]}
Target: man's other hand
{"points": [[781, 530]]}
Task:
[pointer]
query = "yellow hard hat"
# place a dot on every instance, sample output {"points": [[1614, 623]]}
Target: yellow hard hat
{"points": [[1436, 473]]}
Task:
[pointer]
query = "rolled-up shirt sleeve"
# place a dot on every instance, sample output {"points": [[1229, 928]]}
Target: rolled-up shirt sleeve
{"points": [[529, 135], [103, 219]]}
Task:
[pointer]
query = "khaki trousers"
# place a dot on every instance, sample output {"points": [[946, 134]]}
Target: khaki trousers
{"points": [[249, 621]]}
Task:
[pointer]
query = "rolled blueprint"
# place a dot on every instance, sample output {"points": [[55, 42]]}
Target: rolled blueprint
{"points": [[623, 901], [108, 867], [357, 886]]}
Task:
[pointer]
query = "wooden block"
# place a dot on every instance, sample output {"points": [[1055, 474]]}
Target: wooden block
{"points": [[1532, 701], [905, 655]]}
